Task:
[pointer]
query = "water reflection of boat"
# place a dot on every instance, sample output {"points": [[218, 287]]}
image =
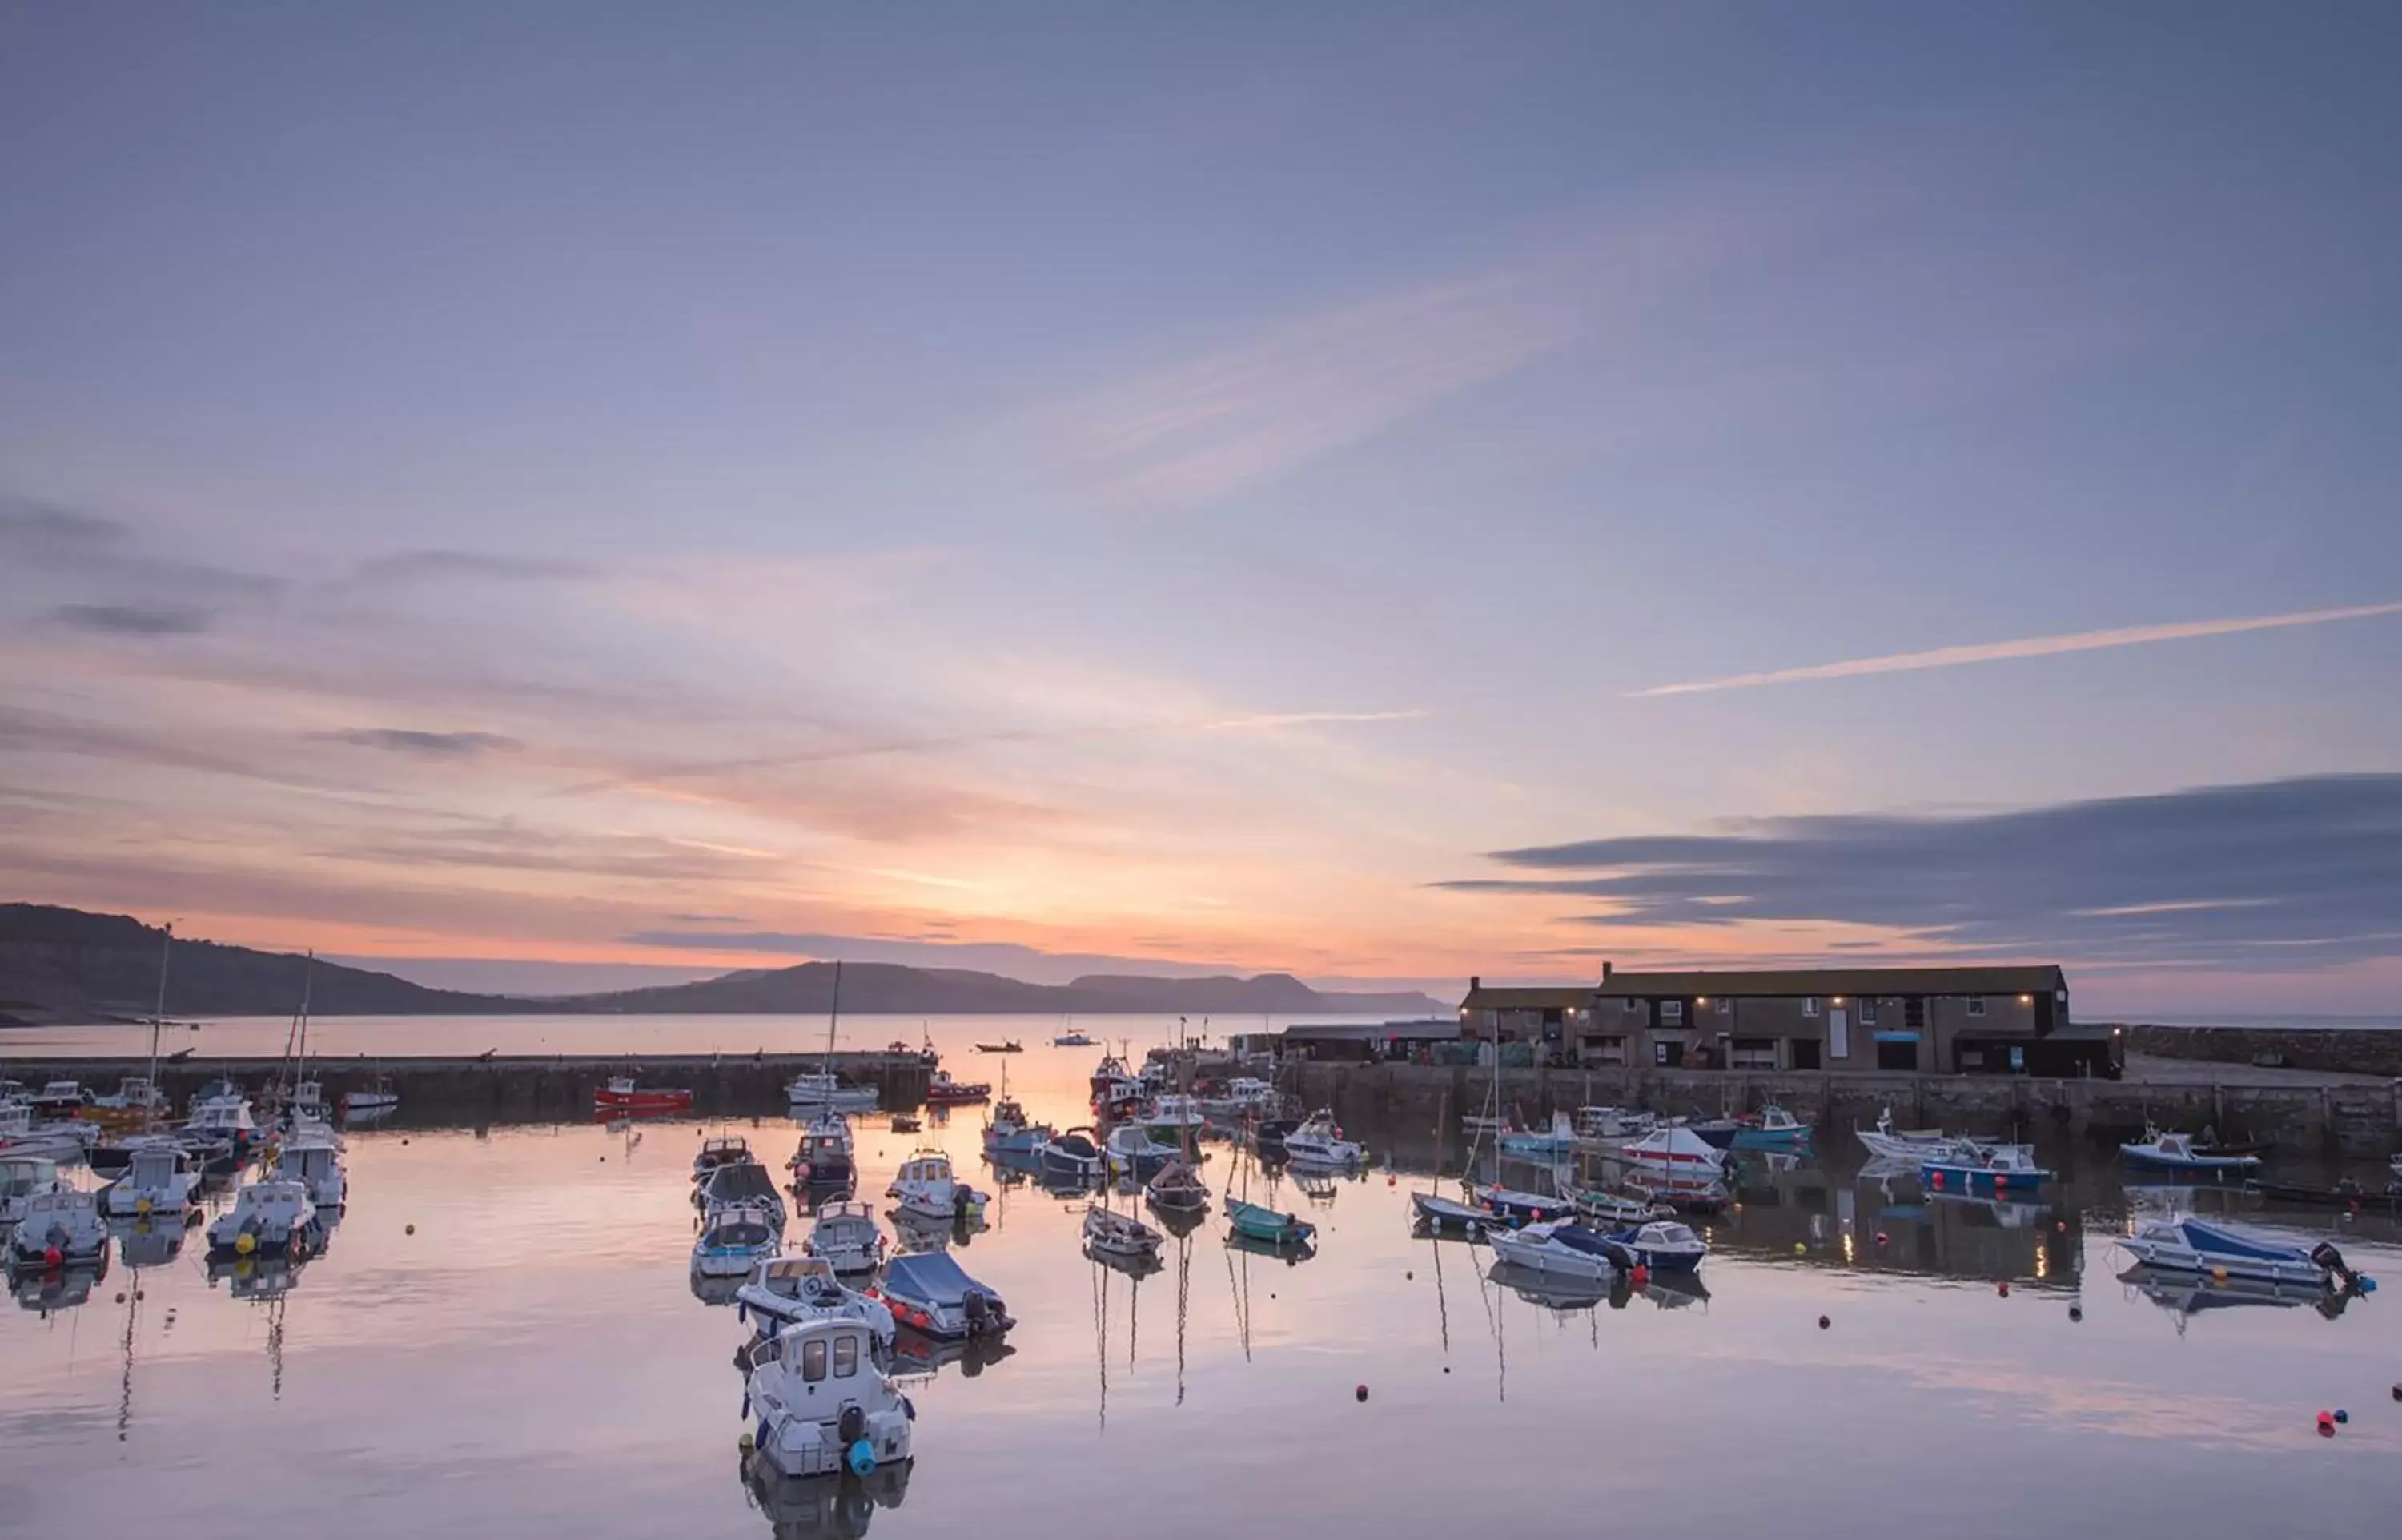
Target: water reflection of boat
{"points": [[919, 1232], [1293, 1253], [1550, 1290], [715, 1289], [2346, 1193], [149, 1242], [2187, 1294], [805, 1507], [2006, 1213], [47, 1289], [265, 1275], [1675, 1290], [914, 1353]]}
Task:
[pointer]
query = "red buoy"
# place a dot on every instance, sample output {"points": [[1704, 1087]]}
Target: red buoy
{"points": [[2005, 1288]]}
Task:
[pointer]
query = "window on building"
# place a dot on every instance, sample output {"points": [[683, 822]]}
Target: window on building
{"points": [[1605, 1049], [813, 1358], [1672, 1011], [1867, 1012], [1752, 1053], [1668, 1054], [845, 1358], [1810, 1005], [1726, 1007], [1976, 1005], [1631, 1005]]}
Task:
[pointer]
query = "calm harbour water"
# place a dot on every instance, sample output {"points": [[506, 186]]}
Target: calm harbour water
{"points": [[533, 1361]]}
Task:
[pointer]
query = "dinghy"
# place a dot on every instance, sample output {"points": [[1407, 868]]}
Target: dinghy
{"points": [[2176, 1152], [785, 1291], [1178, 1189], [823, 1407], [1070, 1157], [1510, 1206], [1616, 1211], [931, 1295], [1774, 1129], [1448, 1213], [2196, 1246], [845, 1235], [1560, 1247], [1112, 1235], [623, 1096], [1258, 1223]]}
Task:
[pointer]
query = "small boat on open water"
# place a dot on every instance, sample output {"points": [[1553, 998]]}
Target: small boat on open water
{"points": [[59, 1227], [845, 1235], [2176, 1152], [729, 1149], [1260, 1223], [822, 1158], [2198, 1246], [1510, 1206], [1986, 1168], [1561, 1247], [1319, 1142], [1912, 1145], [1663, 1245], [1070, 1157], [1774, 1129], [931, 1294], [1178, 1189], [823, 1407], [1131, 1150], [785, 1291], [941, 1091], [926, 1186], [1110, 1233], [266, 1216], [623, 1096], [744, 1183], [160, 1179], [1010, 1132]]}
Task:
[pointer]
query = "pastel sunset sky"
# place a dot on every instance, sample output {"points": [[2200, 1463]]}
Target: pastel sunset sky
{"points": [[1388, 492]]}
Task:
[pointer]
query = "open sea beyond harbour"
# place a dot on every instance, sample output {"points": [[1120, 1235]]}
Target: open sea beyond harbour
{"points": [[533, 1358]]}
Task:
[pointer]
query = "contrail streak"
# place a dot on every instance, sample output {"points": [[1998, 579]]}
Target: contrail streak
{"points": [[2026, 647]]}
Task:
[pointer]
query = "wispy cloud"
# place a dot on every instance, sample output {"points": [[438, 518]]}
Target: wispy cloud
{"points": [[2025, 647], [134, 620], [406, 741], [1264, 720]]}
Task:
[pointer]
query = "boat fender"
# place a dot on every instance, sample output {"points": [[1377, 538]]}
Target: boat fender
{"points": [[2005, 1289], [862, 1457], [2076, 1313], [1824, 1323], [2368, 1284], [2326, 1425], [2341, 1415]]}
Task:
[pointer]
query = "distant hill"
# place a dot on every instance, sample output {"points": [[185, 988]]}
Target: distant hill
{"points": [[67, 965]]}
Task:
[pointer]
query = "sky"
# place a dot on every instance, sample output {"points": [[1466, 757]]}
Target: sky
{"points": [[1390, 492]]}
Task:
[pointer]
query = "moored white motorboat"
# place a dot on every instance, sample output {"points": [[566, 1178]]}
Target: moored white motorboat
{"points": [[1172, 1119], [1558, 1246], [785, 1291], [926, 1186], [1774, 1129], [61, 1099], [160, 1180], [22, 1133], [376, 1096], [823, 1407], [2198, 1246], [2176, 1152], [225, 1117], [1609, 1124], [1131, 1152], [266, 1216], [59, 1227], [1540, 1145], [1886, 1142], [1319, 1142], [1663, 1245], [1070, 1038], [1115, 1235], [311, 1154], [734, 1238], [847, 1236]]}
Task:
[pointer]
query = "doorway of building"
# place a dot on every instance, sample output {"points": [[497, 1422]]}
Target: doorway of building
{"points": [[1805, 1054], [1896, 1055]]}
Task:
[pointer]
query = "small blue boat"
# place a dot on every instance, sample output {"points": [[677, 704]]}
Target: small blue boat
{"points": [[1986, 1169], [1776, 1129], [1663, 1245], [1509, 1206]]}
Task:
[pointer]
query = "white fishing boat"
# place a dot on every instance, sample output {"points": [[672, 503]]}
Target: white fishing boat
{"points": [[311, 1155], [1114, 1234], [727, 1149], [1600, 1125], [21, 1132], [1177, 1191], [1537, 1143], [1615, 1210], [1070, 1038], [136, 1098], [266, 1216], [160, 1180], [785, 1291], [60, 1226], [2175, 1152], [1558, 1246], [20, 1178], [61, 1099], [845, 1235], [1673, 1151], [1243, 1097], [308, 1103], [1663, 1245], [1886, 1142], [1319, 1142], [1131, 1152], [2216, 1250], [823, 1407], [1985, 1168], [927, 1186], [733, 1239], [226, 1116]]}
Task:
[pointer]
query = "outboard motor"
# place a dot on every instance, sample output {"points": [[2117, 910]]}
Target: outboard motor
{"points": [[979, 1311], [2327, 1257], [851, 1425]]}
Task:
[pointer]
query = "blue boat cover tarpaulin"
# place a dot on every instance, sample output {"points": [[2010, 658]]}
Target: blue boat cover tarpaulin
{"points": [[931, 1277]]}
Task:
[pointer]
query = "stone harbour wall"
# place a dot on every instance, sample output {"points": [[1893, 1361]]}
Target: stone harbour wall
{"points": [[2344, 1050]]}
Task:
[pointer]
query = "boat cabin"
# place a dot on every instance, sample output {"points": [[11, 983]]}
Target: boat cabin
{"points": [[934, 1167]]}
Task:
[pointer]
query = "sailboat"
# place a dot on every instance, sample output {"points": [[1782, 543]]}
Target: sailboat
{"points": [[823, 1088]]}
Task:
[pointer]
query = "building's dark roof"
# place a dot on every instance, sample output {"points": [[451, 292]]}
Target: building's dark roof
{"points": [[1329, 1032], [1556, 996], [1822, 982]]}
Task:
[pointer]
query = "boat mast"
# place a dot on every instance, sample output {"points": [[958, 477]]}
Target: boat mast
{"points": [[158, 1024], [833, 1014], [300, 1063]]}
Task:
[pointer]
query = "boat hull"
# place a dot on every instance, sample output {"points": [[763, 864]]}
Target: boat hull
{"points": [[1265, 1224], [1960, 1178]]}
